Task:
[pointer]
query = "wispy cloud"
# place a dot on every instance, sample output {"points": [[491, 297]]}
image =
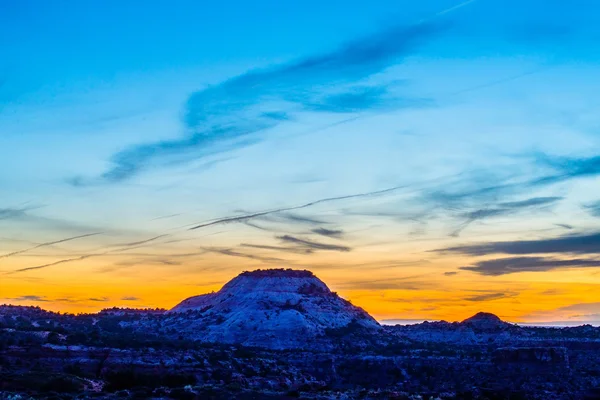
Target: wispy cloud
{"points": [[333, 233], [503, 209], [99, 299], [574, 312], [152, 239], [565, 226], [234, 253], [490, 296], [354, 100], [295, 250], [551, 292], [14, 253], [150, 261], [482, 195], [511, 265], [30, 297], [531, 202], [68, 260], [281, 222], [475, 196], [300, 219], [23, 214], [363, 98], [413, 282], [312, 245], [123, 247], [256, 226], [130, 298], [567, 168], [469, 190], [171, 152], [587, 316], [66, 300], [379, 265], [227, 116], [166, 217], [246, 217], [478, 215], [276, 115], [11, 213], [594, 209]]}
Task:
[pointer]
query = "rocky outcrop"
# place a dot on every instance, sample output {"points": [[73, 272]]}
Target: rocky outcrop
{"points": [[483, 321], [479, 329], [271, 308]]}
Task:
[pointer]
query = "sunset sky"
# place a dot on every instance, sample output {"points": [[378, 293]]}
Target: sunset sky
{"points": [[425, 159]]}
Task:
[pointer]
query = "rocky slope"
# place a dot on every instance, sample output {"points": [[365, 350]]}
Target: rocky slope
{"points": [[310, 344], [137, 354], [271, 308], [480, 328]]}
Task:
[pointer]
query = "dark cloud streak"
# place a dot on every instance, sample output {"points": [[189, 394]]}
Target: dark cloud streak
{"points": [[333, 233], [313, 245], [30, 297], [279, 248], [489, 296], [99, 299], [504, 266], [574, 244]]}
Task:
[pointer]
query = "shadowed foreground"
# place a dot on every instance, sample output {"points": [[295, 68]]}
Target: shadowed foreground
{"points": [[284, 334]]}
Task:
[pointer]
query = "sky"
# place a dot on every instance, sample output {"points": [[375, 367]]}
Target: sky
{"points": [[427, 160]]}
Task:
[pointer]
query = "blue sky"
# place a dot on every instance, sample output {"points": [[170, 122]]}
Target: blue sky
{"points": [[436, 146]]}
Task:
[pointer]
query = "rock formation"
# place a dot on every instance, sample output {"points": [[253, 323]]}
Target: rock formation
{"points": [[274, 308]]}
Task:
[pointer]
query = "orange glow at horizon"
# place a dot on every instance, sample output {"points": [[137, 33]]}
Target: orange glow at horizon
{"points": [[407, 292]]}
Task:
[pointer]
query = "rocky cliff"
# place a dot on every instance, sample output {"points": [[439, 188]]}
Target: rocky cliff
{"points": [[272, 308]]}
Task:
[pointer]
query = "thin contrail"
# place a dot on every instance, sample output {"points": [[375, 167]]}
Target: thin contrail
{"points": [[501, 80], [166, 216], [50, 244], [50, 264], [246, 217], [446, 11], [126, 246], [141, 241]]}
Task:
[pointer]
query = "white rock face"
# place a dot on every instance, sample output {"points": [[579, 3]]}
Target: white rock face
{"points": [[272, 308]]}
